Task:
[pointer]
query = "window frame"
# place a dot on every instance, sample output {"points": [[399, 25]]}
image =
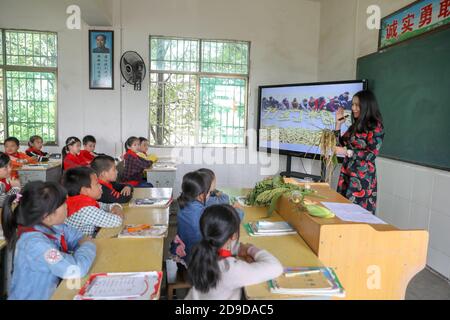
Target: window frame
{"points": [[5, 67], [200, 74]]}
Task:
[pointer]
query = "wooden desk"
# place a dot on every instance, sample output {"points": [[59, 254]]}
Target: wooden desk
{"points": [[292, 251], [137, 215], [49, 171], [119, 255], [371, 261], [2, 243]]}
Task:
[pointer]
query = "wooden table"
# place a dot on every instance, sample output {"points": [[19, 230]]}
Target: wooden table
{"points": [[371, 261], [137, 215], [47, 171], [125, 255], [119, 255], [291, 250]]}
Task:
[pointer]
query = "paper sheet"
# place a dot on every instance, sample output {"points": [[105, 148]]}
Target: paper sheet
{"points": [[352, 213]]}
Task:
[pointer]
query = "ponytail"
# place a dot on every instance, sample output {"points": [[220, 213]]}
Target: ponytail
{"points": [[9, 223], [204, 270], [218, 224], [194, 184]]}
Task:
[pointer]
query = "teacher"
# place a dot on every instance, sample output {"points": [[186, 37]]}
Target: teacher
{"points": [[360, 145]]}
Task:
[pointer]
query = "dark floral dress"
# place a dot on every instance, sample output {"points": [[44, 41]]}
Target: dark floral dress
{"points": [[358, 178]]}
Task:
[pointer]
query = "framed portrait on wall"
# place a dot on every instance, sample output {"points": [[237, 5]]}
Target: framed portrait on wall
{"points": [[101, 59]]}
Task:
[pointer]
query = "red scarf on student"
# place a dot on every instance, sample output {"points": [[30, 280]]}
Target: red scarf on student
{"points": [[35, 151], [74, 160], [224, 253], [87, 155], [21, 230], [6, 183], [131, 153], [76, 203], [114, 192]]}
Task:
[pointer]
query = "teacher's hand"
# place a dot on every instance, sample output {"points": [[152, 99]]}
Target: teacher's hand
{"points": [[341, 151], [340, 118]]}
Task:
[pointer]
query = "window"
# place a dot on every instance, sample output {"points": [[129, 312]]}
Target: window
{"points": [[198, 91], [28, 78]]}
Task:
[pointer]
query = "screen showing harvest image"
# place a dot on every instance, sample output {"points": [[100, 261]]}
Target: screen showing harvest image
{"points": [[297, 114]]}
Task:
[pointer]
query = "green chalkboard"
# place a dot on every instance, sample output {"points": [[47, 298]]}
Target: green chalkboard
{"points": [[412, 84]]}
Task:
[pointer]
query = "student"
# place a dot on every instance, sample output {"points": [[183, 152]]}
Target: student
{"points": [[220, 267], [219, 197], [8, 186], [134, 166], [143, 150], [45, 249], [195, 190], [35, 149], [71, 154], [18, 159], [112, 191], [83, 211], [89, 143]]}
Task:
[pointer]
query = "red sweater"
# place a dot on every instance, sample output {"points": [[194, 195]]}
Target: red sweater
{"points": [[73, 161], [87, 155]]}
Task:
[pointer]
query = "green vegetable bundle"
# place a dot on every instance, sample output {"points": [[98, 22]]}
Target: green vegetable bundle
{"points": [[268, 191]]}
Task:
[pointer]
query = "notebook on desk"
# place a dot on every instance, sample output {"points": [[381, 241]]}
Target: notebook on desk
{"points": [[121, 286]]}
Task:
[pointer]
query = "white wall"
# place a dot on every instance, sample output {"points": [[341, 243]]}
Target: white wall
{"points": [[410, 196], [284, 38]]}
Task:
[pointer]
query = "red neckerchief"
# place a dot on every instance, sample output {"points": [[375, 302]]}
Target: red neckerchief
{"points": [[35, 151], [131, 153], [76, 203], [109, 185], [76, 158], [224, 253], [6, 183], [87, 155], [21, 230]]}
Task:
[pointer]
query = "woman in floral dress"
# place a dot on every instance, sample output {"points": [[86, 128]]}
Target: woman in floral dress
{"points": [[360, 145]]}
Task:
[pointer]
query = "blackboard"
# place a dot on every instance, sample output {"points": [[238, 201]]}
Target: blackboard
{"points": [[412, 84]]}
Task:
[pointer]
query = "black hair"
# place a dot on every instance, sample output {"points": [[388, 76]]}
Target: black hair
{"points": [[194, 184], [12, 139], [38, 200], [88, 139], [102, 163], [76, 178], [70, 141], [4, 160], [142, 139], [33, 139], [369, 115], [217, 225], [208, 172], [130, 141]]}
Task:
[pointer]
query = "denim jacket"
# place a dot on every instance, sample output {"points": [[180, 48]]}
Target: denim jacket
{"points": [[40, 262]]}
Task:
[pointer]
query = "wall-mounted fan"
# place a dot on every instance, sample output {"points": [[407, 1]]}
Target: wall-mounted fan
{"points": [[132, 67]]}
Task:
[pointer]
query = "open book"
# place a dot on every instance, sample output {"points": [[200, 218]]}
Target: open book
{"points": [[313, 281], [143, 231], [121, 286]]}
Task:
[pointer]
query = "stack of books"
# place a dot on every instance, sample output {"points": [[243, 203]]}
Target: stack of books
{"points": [[143, 231], [121, 286], [269, 229], [313, 281]]}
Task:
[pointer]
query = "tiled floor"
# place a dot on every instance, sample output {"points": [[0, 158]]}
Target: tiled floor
{"points": [[428, 285]]}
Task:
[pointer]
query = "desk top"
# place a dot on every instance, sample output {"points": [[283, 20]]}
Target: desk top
{"points": [[291, 250], [40, 166], [138, 215], [119, 255], [2, 244]]}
